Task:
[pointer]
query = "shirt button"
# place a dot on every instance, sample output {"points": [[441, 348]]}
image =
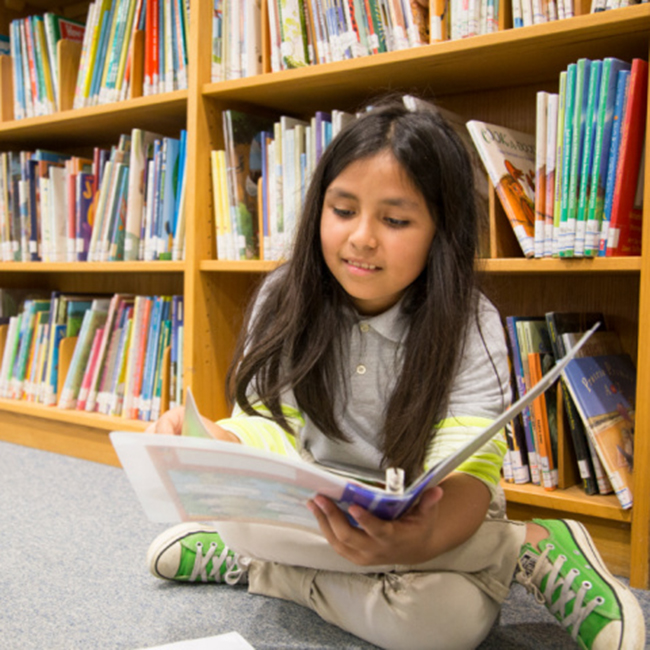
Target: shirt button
{"points": [[364, 327], [361, 369]]}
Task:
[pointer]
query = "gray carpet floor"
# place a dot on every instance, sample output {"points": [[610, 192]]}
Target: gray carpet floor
{"points": [[73, 541]]}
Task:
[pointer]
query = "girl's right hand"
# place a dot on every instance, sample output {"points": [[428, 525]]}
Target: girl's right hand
{"points": [[169, 423]]}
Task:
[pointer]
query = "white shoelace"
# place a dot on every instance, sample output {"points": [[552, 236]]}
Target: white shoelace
{"points": [[231, 575], [581, 610]]}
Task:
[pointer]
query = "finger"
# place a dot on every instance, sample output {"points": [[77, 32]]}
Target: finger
{"points": [[338, 524]]}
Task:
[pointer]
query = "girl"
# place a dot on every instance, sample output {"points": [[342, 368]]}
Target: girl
{"points": [[373, 348]]}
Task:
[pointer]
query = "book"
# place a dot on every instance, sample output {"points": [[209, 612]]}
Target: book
{"points": [[586, 161], [625, 220], [141, 151], [177, 477], [602, 141], [551, 155], [540, 171], [94, 318], [535, 346], [242, 139], [568, 147], [559, 324], [520, 384], [604, 391], [622, 86], [509, 158], [543, 412]]}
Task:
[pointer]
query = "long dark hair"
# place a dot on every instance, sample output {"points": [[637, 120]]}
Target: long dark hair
{"points": [[295, 340]]}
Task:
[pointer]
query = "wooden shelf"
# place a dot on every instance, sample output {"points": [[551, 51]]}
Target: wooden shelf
{"points": [[524, 56], [563, 266], [92, 267], [164, 113], [70, 416], [251, 266], [572, 499], [509, 265]]}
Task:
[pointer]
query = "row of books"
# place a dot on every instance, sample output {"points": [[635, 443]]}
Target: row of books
{"points": [[590, 160], [236, 39], [33, 47], [536, 12], [259, 180], [107, 61], [106, 68], [594, 403], [122, 350], [126, 203], [321, 31], [575, 188]]}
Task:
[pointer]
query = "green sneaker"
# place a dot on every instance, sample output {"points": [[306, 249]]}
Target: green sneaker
{"points": [[193, 552], [570, 578]]}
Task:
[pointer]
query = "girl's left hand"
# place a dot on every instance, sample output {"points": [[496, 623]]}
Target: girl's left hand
{"points": [[408, 540]]}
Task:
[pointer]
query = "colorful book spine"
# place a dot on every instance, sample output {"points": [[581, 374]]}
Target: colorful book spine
{"points": [[622, 86], [626, 216], [586, 163]]}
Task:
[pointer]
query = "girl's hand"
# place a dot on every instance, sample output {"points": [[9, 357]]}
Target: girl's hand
{"points": [[171, 423], [408, 540]]}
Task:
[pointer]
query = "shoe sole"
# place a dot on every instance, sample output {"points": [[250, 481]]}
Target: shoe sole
{"points": [[633, 631], [168, 538]]}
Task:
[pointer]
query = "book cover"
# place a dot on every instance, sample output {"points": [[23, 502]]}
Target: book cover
{"points": [[625, 220], [602, 141], [604, 390], [509, 158], [254, 485]]}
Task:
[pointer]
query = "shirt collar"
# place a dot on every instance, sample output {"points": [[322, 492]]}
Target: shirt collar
{"points": [[390, 324]]}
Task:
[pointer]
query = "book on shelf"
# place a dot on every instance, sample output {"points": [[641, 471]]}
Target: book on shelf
{"points": [[509, 159], [535, 347], [602, 141], [604, 391], [541, 121], [568, 148], [94, 318], [551, 172], [559, 325], [155, 463], [586, 162], [243, 147], [622, 86], [624, 237], [529, 445]]}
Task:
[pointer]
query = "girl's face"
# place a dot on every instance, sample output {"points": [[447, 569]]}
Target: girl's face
{"points": [[376, 231]]}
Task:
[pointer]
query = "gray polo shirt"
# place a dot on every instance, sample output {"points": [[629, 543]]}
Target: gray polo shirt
{"points": [[480, 391]]}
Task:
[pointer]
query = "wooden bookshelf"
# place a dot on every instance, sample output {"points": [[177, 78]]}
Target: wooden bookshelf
{"points": [[494, 78]]}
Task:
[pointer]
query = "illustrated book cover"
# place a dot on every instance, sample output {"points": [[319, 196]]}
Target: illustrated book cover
{"points": [[194, 477], [604, 391], [509, 159]]}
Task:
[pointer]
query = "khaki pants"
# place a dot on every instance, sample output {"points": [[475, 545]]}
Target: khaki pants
{"points": [[449, 602]]}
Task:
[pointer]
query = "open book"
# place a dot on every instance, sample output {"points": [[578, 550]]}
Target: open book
{"points": [[194, 477]]}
